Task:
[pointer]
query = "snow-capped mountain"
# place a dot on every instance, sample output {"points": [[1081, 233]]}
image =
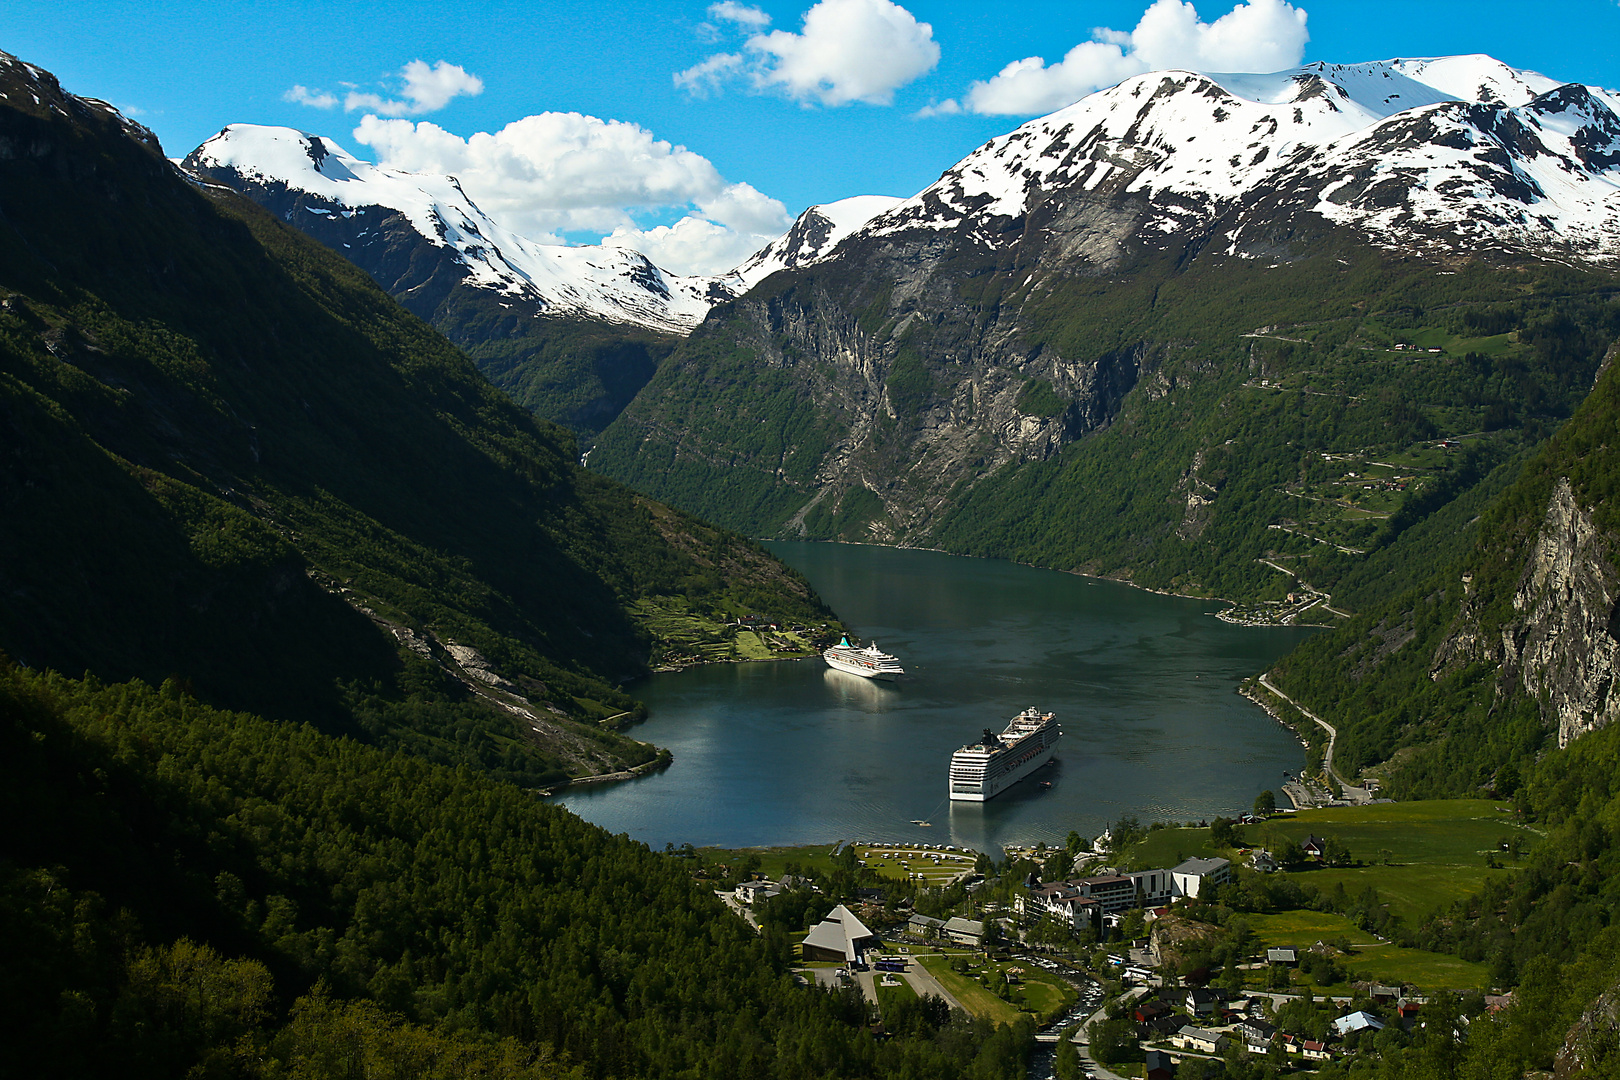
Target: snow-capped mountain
{"points": [[1013, 308], [811, 239], [302, 175], [1457, 152]]}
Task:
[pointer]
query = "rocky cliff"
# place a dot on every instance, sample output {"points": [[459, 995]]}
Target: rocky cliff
{"points": [[1166, 241], [1561, 645]]}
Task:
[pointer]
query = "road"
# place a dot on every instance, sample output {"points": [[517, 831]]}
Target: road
{"points": [[1351, 792], [922, 980], [1083, 1043], [730, 900]]}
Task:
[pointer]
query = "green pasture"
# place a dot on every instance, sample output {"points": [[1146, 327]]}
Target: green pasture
{"points": [[670, 620], [967, 990], [1413, 891], [896, 862], [1044, 994], [1420, 856], [773, 860], [1370, 960], [1302, 929], [1167, 847], [1424, 970], [818, 858]]}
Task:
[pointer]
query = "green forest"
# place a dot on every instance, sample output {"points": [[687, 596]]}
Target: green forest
{"points": [[192, 892], [232, 461], [1327, 411], [1454, 720]]}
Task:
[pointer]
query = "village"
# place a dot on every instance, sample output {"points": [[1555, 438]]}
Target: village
{"points": [[1129, 966]]}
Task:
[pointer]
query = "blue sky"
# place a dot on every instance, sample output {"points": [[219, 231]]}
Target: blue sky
{"points": [[772, 124]]}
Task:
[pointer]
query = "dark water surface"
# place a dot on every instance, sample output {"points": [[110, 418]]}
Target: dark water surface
{"points": [[793, 752]]}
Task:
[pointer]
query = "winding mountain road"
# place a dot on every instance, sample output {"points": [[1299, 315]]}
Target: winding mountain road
{"points": [[1351, 792]]}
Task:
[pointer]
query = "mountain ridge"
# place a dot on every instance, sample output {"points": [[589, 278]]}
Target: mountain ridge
{"points": [[1061, 293], [233, 462]]}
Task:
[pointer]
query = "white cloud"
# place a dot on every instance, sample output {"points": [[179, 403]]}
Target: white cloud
{"points": [[426, 90], [742, 14], [556, 173], [693, 245], [1259, 35], [849, 50], [316, 99], [948, 107], [703, 78]]}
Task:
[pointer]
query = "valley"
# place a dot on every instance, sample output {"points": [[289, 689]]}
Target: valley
{"points": [[386, 594]]}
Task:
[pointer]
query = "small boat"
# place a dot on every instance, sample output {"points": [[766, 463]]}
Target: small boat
{"points": [[924, 824], [1044, 784]]}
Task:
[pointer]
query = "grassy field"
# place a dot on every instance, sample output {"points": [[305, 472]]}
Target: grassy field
{"points": [[773, 860], [1167, 847], [966, 989], [688, 635], [1425, 970], [1420, 856], [1044, 994], [1304, 928], [894, 861], [1371, 959]]}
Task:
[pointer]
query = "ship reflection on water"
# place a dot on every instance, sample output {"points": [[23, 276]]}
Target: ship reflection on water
{"points": [[855, 690]]}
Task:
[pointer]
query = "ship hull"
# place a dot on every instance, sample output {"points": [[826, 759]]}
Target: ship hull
{"points": [[869, 663], [989, 789], [980, 772]]}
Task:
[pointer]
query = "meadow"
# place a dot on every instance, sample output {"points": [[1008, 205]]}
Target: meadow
{"points": [[1421, 857], [1370, 959]]}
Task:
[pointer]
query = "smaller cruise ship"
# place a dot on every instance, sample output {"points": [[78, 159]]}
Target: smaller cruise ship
{"points": [[983, 770], [870, 662]]}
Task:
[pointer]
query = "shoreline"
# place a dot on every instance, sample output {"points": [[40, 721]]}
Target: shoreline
{"points": [[1127, 582], [635, 772], [668, 668]]}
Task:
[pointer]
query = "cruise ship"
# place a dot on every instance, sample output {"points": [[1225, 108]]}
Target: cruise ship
{"points": [[870, 662], [985, 769]]}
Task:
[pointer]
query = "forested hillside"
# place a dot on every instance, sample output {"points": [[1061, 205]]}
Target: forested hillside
{"points": [[193, 892], [1549, 931], [1499, 649], [230, 459], [1167, 423]]}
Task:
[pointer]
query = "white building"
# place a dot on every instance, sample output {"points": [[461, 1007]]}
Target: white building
{"points": [[1191, 875]]}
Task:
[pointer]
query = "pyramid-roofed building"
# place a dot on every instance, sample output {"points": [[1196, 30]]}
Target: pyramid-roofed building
{"points": [[839, 937]]}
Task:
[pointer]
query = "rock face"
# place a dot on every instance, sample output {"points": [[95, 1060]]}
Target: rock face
{"points": [[935, 343], [1592, 1047], [1562, 645]]}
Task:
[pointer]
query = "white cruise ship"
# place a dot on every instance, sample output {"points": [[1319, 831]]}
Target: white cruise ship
{"points": [[870, 662], [985, 769]]}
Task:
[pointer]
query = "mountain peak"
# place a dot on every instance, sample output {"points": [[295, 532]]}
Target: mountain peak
{"points": [[298, 173], [811, 239], [1460, 150]]}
